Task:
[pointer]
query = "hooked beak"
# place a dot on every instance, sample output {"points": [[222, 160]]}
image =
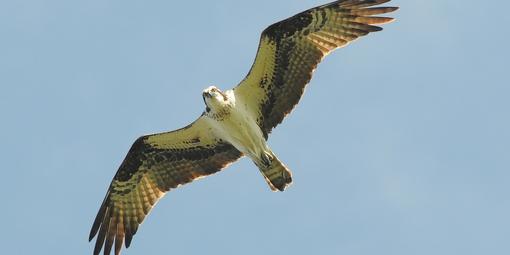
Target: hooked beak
{"points": [[206, 94]]}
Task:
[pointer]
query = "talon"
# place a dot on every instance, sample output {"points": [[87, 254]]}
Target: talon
{"points": [[266, 159]]}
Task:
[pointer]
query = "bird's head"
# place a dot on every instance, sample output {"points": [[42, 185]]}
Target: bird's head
{"points": [[214, 98]]}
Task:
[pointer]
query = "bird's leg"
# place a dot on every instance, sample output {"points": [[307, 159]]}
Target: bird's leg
{"points": [[276, 174], [266, 159]]}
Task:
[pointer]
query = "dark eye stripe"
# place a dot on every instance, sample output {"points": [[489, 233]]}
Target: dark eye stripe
{"points": [[224, 96]]}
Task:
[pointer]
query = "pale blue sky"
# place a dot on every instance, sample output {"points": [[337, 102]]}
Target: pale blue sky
{"points": [[401, 144]]}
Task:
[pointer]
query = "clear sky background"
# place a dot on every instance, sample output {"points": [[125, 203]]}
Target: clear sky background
{"points": [[401, 144]]}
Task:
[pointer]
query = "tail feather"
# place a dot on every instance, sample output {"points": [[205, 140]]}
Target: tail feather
{"points": [[277, 175]]}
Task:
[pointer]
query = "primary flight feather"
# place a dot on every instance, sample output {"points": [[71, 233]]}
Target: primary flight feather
{"points": [[236, 122]]}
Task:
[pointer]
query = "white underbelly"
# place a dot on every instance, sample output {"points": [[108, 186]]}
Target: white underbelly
{"points": [[243, 133]]}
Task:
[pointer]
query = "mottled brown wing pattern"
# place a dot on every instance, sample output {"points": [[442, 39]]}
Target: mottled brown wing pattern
{"points": [[154, 165], [290, 50]]}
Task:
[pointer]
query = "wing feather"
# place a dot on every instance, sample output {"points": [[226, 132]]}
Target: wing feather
{"points": [[154, 165], [290, 50], [288, 53]]}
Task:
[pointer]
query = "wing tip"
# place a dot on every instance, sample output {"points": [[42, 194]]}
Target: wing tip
{"points": [[388, 9], [97, 224], [385, 20], [91, 236], [381, 1], [361, 3]]}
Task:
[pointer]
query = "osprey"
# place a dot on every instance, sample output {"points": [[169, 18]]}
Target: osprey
{"points": [[236, 122]]}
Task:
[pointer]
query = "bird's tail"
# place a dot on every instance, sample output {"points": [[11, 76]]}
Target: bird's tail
{"points": [[277, 175]]}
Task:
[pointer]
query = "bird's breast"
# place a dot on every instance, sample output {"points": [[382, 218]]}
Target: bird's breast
{"points": [[242, 131]]}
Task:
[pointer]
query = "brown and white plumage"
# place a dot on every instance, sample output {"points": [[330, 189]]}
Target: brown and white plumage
{"points": [[154, 165], [236, 122], [290, 50]]}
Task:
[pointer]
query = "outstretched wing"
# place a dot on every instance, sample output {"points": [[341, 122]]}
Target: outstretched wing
{"points": [[154, 165], [290, 50]]}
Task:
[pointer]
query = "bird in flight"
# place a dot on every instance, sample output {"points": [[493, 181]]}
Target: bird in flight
{"points": [[235, 122]]}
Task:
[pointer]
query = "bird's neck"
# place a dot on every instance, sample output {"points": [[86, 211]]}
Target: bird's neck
{"points": [[219, 112]]}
